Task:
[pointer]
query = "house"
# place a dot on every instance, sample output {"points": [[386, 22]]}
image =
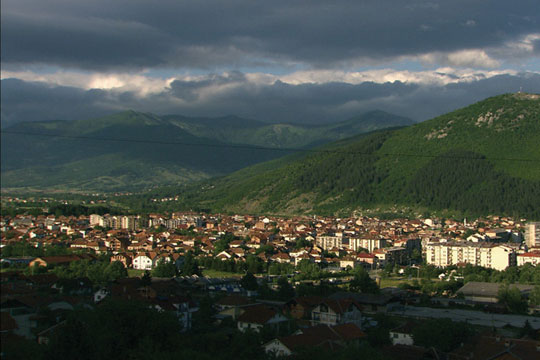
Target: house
{"points": [[532, 258], [496, 347], [144, 261], [23, 312], [370, 303], [124, 258], [301, 307], [59, 260], [181, 306], [368, 260], [281, 258], [403, 334], [43, 337], [7, 324], [258, 316], [320, 335], [348, 261], [233, 306], [334, 312]]}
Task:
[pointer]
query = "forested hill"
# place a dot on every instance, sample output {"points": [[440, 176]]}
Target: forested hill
{"points": [[132, 151], [481, 159]]}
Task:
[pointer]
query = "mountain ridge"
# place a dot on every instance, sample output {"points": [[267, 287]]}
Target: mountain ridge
{"points": [[133, 150]]}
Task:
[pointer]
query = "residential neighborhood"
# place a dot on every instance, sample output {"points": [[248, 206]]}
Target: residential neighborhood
{"points": [[298, 283]]}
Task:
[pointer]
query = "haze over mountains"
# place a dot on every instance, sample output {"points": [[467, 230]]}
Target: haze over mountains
{"points": [[132, 150]]}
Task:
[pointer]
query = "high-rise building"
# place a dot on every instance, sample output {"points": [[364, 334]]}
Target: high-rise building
{"points": [[532, 234]]}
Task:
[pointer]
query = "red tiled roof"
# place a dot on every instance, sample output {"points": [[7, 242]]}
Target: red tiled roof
{"points": [[496, 347], [530, 254], [349, 331]]}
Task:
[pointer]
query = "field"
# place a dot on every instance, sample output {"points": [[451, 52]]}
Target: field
{"points": [[220, 274]]}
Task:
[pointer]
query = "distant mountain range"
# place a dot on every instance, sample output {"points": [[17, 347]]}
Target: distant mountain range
{"points": [[133, 151], [484, 158]]}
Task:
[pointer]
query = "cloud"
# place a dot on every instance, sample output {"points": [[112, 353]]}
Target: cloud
{"points": [[265, 97], [132, 35], [473, 58]]}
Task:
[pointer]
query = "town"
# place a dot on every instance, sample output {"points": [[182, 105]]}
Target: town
{"points": [[298, 283]]}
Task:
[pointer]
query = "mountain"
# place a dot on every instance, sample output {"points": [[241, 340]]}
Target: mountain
{"points": [[241, 131], [132, 150], [481, 159]]}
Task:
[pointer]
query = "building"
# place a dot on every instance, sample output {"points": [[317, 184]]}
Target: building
{"points": [[257, 316], [532, 234], [328, 242], [334, 312], [532, 258], [403, 335], [493, 256], [357, 244], [327, 337], [483, 292]]}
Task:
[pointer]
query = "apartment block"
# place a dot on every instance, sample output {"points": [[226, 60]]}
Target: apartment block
{"points": [[494, 256]]}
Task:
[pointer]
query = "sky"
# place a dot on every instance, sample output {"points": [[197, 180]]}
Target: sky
{"points": [[276, 61]]}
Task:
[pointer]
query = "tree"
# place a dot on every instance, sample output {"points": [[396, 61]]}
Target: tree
{"points": [[511, 298], [443, 334], [190, 266], [285, 290], [362, 282], [146, 279], [254, 264], [534, 296], [115, 270], [121, 330], [164, 269], [249, 282], [416, 255]]}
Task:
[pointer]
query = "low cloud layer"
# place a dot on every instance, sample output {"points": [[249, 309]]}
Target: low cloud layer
{"points": [[263, 97]]}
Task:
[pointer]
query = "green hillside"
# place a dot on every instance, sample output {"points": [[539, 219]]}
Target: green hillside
{"points": [[134, 151], [481, 159]]}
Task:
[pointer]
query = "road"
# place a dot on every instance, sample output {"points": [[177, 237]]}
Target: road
{"points": [[470, 316]]}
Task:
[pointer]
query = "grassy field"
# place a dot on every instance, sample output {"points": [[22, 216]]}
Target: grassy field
{"points": [[221, 274], [135, 272], [394, 282]]}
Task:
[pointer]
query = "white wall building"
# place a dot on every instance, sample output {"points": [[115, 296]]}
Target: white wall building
{"points": [[370, 244], [494, 256], [532, 234]]}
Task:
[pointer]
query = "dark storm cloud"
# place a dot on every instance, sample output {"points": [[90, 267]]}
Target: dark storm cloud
{"points": [[29, 101], [102, 34], [278, 102]]}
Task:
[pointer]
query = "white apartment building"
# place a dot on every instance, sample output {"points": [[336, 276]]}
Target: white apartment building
{"points": [[494, 256], [328, 242], [356, 244], [115, 222], [532, 234]]}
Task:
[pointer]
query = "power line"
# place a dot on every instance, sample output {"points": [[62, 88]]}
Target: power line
{"points": [[256, 147]]}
